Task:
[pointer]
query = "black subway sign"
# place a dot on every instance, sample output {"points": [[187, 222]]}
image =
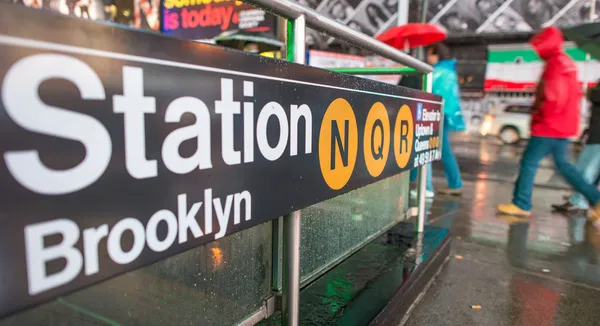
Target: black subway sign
{"points": [[122, 148]]}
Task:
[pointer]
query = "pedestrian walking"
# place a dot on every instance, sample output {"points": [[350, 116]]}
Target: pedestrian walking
{"points": [[588, 162], [555, 119], [445, 84]]}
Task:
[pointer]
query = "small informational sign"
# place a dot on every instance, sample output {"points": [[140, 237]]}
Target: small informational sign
{"points": [[205, 19], [328, 60], [126, 148]]}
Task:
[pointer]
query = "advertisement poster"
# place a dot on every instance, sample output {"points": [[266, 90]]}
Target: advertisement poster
{"points": [[126, 148], [370, 17], [142, 14], [507, 16], [206, 19], [578, 12], [88, 9], [146, 14]]}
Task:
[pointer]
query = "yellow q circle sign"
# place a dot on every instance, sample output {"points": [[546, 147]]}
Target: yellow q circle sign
{"points": [[338, 144], [376, 145], [403, 136]]}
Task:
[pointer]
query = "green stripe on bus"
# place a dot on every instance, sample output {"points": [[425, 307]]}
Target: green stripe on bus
{"points": [[527, 55]]}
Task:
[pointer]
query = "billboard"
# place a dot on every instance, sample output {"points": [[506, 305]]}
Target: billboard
{"points": [[129, 147], [142, 14], [372, 17], [508, 16], [206, 19]]}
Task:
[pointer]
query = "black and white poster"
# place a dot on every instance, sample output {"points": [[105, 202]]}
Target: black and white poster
{"points": [[466, 15], [578, 12], [506, 21], [537, 13], [128, 147], [437, 7], [373, 17], [370, 17], [507, 16]]}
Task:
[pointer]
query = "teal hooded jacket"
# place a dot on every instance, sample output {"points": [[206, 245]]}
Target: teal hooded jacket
{"points": [[445, 84]]}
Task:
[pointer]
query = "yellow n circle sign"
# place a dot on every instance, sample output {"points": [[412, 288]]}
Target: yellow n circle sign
{"points": [[338, 144]]}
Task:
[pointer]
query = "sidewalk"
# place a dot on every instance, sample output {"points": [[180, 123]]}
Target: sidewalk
{"points": [[536, 271]]}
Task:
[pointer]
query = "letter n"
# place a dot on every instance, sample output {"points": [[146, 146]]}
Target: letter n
{"points": [[336, 142]]}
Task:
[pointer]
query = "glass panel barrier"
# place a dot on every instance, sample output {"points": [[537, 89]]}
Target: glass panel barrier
{"points": [[335, 228], [220, 283]]}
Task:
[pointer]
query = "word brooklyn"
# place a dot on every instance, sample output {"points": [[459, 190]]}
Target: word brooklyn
{"points": [[177, 229]]}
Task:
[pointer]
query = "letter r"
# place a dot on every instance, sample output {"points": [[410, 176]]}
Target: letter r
{"points": [[403, 135]]}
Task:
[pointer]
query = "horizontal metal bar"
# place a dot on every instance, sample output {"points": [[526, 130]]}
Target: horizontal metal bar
{"points": [[254, 318], [292, 10], [378, 71]]}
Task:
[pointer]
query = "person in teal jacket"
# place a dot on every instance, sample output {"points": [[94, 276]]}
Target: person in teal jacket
{"points": [[445, 84]]}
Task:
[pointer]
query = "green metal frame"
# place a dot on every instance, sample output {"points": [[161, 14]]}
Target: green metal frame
{"points": [[378, 71], [290, 44]]}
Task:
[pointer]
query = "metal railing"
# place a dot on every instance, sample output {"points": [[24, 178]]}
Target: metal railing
{"points": [[292, 10], [299, 18]]}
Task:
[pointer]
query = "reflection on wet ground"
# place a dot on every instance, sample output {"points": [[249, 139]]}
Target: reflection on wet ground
{"points": [[537, 271]]}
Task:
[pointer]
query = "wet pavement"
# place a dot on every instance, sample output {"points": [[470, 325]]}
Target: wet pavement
{"points": [[510, 271], [487, 158]]}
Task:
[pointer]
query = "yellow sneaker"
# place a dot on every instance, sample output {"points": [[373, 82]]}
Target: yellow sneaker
{"points": [[512, 209], [594, 215]]}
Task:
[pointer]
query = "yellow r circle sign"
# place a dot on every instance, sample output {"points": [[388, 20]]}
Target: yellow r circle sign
{"points": [[403, 136], [338, 144], [376, 145]]}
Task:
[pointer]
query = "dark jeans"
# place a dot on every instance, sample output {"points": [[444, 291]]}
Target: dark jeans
{"points": [[537, 149]]}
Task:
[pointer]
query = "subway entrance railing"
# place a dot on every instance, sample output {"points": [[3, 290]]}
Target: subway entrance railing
{"points": [[122, 149]]}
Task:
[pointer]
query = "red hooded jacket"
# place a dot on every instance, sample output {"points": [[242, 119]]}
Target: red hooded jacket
{"points": [[556, 108]]}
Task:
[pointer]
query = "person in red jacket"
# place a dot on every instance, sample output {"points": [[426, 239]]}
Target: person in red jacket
{"points": [[555, 119]]}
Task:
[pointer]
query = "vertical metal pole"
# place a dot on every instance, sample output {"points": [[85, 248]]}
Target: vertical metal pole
{"points": [[421, 196], [277, 238], [402, 13], [296, 52], [423, 13], [422, 179], [588, 58], [291, 269], [423, 19]]}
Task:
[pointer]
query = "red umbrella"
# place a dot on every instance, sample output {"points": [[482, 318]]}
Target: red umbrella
{"points": [[412, 35]]}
